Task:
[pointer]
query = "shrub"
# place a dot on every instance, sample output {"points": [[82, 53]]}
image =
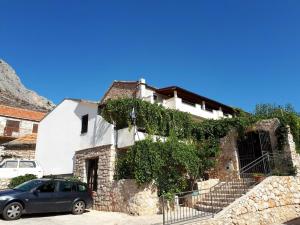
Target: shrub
{"points": [[21, 179]]}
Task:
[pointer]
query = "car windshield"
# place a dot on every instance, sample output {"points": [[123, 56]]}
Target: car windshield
{"points": [[29, 185]]}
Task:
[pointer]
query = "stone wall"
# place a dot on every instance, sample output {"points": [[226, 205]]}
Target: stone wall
{"points": [[227, 165], [4, 183], [121, 90], [120, 196], [18, 153], [274, 201], [290, 152], [128, 197]]}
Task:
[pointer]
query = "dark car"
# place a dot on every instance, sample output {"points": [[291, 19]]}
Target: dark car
{"points": [[43, 196]]}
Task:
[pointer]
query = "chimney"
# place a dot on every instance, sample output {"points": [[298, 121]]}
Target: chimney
{"points": [[142, 88], [142, 81]]}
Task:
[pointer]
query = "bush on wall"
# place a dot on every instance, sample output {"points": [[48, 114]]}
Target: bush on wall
{"points": [[20, 180]]}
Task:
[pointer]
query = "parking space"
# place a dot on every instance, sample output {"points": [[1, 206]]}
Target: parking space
{"points": [[89, 218]]}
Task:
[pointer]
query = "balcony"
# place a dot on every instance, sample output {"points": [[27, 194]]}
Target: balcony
{"points": [[193, 109]]}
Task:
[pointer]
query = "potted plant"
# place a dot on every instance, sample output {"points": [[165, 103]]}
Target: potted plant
{"points": [[258, 177]]}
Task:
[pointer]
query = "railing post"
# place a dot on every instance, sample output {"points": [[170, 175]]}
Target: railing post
{"points": [[264, 164], [269, 163], [163, 209], [212, 206]]}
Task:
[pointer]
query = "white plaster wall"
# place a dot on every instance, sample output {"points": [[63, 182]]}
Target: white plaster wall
{"points": [[176, 103], [146, 93], [60, 135], [169, 103], [127, 137]]}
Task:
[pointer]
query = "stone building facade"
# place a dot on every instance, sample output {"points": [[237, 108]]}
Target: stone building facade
{"points": [[126, 196], [18, 129], [109, 194], [23, 148], [228, 163]]}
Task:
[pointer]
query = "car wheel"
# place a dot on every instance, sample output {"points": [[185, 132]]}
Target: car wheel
{"points": [[13, 211], [78, 208]]}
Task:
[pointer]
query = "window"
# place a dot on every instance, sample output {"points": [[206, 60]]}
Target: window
{"points": [[11, 164], [66, 186], [27, 164], [47, 187], [11, 126], [35, 128], [155, 98], [188, 102], [208, 108], [84, 123]]}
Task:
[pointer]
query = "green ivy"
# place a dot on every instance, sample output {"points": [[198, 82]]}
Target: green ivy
{"points": [[288, 118], [20, 180], [153, 118], [191, 147]]}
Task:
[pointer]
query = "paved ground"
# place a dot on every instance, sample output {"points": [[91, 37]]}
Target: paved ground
{"points": [[88, 218], [293, 222]]}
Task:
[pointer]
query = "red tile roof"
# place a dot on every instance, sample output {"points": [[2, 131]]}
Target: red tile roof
{"points": [[29, 139], [20, 113]]}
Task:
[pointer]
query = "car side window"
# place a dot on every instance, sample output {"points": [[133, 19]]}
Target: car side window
{"points": [[47, 187], [27, 164], [66, 186], [11, 164]]}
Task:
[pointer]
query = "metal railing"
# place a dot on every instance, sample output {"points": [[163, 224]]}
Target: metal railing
{"points": [[181, 207], [202, 204], [205, 203]]}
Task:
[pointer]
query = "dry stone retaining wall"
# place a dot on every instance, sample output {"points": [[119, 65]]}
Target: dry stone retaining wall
{"points": [[274, 201], [4, 183], [18, 153]]}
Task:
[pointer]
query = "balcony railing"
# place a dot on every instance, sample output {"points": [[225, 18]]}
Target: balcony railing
{"points": [[194, 109]]}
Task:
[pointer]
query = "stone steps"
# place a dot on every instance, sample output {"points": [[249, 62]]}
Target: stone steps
{"points": [[223, 195]]}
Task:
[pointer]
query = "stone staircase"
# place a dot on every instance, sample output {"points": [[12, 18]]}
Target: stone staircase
{"points": [[223, 194]]}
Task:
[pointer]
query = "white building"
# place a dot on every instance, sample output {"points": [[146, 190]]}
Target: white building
{"points": [[172, 97], [75, 124]]}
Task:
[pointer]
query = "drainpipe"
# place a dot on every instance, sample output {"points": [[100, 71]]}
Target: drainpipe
{"points": [[115, 135]]}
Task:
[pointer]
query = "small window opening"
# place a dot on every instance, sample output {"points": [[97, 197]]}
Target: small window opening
{"points": [[84, 123]]}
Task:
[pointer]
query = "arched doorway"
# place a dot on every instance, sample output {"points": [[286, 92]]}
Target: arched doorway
{"points": [[252, 146]]}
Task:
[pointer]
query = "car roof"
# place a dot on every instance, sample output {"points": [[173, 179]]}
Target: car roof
{"points": [[60, 179]]}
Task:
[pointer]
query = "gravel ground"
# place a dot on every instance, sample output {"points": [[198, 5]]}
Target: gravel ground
{"points": [[88, 218]]}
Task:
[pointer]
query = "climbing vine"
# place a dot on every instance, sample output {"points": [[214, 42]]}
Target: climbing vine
{"points": [[191, 146]]}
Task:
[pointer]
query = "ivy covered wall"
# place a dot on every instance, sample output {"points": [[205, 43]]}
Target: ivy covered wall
{"points": [[191, 146]]}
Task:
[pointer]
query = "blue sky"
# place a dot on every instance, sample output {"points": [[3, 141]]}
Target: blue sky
{"points": [[237, 52]]}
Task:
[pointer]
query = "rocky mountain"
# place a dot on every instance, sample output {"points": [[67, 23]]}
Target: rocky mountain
{"points": [[14, 93]]}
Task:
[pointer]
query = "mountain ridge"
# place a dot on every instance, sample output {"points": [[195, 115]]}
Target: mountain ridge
{"points": [[14, 93]]}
